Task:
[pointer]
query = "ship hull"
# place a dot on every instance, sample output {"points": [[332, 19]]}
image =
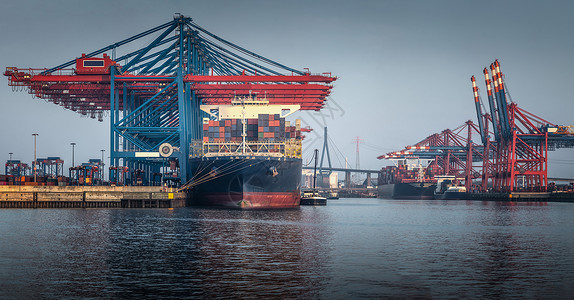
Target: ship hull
{"points": [[246, 182], [407, 191]]}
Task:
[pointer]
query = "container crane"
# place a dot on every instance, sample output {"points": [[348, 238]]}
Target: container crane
{"points": [[153, 94], [522, 140], [512, 158], [450, 152]]}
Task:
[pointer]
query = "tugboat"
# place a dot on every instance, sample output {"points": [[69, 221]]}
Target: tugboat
{"points": [[314, 198], [448, 189]]}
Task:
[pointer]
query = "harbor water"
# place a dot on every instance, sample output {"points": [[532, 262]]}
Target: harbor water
{"points": [[349, 249]]}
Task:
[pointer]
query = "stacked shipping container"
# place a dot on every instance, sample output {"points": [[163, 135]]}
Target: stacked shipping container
{"points": [[29, 180], [402, 174], [269, 128]]}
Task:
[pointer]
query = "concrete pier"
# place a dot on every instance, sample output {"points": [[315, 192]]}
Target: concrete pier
{"points": [[523, 196], [90, 197]]}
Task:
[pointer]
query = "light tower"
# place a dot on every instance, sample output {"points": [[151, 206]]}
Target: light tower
{"points": [[73, 144], [103, 169], [34, 162]]}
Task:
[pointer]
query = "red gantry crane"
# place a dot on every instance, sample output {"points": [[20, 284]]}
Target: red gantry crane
{"points": [[518, 152], [513, 156], [450, 152]]}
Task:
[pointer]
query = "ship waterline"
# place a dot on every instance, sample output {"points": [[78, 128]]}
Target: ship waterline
{"points": [[246, 182]]}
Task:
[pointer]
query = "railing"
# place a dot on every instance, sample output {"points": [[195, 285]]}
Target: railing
{"points": [[288, 148]]}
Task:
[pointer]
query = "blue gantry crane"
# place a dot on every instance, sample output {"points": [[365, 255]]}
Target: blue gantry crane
{"points": [[152, 93]]}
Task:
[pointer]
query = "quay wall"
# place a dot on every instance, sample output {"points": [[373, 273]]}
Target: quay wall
{"points": [[90, 197], [523, 196]]}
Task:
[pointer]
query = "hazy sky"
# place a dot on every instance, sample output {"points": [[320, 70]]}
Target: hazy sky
{"points": [[404, 67]]}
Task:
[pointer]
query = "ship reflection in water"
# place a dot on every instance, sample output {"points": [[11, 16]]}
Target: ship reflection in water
{"points": [[227, 253], [349, 249]]}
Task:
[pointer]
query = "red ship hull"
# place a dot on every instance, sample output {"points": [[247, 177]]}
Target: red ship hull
{"points": [[251, 200]]}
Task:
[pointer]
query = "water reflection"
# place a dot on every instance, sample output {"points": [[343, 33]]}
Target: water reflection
{"points": [[219, 253], [352, 248], [515, 250]]}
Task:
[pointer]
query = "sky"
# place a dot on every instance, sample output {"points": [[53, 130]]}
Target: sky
{"points": [[403, 67]]}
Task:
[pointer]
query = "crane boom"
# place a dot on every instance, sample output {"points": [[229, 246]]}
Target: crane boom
{"points": [[478, 110]]}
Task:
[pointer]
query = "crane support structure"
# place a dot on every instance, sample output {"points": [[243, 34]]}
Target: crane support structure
{"points": [[512, 158], [450, 152], [521, 142], [152, 95]]}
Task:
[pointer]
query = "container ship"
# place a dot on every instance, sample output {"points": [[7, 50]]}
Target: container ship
{"points": [[249, 157], [407, 181]]}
